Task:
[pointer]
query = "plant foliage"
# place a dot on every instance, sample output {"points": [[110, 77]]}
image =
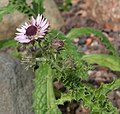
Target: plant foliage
{"points": [[38, 6], [68, 67], [109, 61], [44, 99], [8, 43], [23, 7]]}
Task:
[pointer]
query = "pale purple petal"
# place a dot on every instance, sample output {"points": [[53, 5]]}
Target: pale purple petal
{"points": [[26, 24], [17, 37], [25, 27], [19, 34], [36, 38], [45, 27], [20, 37], [21, 30], [40, 36], [24, 40], [43, 24], [42, 21], [38, 19], [43, 31], [33, 21]]}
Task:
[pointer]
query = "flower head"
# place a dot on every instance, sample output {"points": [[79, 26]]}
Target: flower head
{"points": [[33, 30]]}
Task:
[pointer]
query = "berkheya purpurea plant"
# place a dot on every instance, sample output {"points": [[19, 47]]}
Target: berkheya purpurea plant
{"points": [[53, 56]]}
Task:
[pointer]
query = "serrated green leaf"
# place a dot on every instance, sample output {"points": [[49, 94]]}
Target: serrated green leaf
{"points": [[95, 100], [70, 50], [76, 32], [100, 95], [23, 7], [44, 99], [109, 61], [105, 88], [38, 6], [12, 45], [64, 97], [8, 43]]}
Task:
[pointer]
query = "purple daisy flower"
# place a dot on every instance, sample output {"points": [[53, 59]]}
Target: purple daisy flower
{"points": [[33, 30]]}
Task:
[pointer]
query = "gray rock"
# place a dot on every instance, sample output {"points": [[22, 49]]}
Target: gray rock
{"points": [[52, 14], [16, 86]]}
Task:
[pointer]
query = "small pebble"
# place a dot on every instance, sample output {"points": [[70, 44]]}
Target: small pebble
{"points": [[90, 72], [118, 103], [81, 41], [98, 74], [111, 95], [75, 40], [98, 80], [107, 30], [87, 52], [118, 93], [94, 43], [89, 41], [84, 48]]}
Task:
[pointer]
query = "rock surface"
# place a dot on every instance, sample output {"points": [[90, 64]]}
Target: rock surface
{"points": [[16, 86], [11, 21]]}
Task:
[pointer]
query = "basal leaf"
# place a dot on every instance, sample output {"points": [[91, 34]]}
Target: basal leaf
{"points": [[76, 32], [44, 99], [8, 43], [110, 61]]}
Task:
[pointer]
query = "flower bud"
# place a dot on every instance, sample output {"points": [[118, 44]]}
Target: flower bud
{"points": [[57, 44]]}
